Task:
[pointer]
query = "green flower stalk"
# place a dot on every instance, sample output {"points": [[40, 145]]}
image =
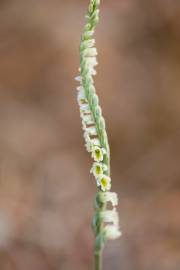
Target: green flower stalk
{"points": [[105, 222]]}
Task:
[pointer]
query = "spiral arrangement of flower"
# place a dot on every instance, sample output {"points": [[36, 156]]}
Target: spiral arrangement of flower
{"points": [[105, 222]]}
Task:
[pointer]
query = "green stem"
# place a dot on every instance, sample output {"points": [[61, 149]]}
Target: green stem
{"points": [[99, 244], [98, 260]]}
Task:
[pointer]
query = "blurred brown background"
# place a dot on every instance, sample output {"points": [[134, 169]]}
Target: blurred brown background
{"points": [[46, 191]]}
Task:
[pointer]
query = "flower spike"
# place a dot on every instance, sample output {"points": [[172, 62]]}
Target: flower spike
{"points": [[105, 222]]}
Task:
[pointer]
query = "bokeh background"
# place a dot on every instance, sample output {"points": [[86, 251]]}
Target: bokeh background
{"points": [[46, 191]]}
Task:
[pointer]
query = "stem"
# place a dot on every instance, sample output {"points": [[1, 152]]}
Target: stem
{"points": [[98, 260], [99, 244]]}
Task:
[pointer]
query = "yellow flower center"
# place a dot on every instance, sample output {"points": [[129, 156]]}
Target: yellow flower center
{"points": [[104, 182], [98, 154], [98, 169]]}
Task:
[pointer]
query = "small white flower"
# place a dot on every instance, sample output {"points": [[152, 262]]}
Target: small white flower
{"points": [[79, 79], [84, 112], [112, 232], [97, 169], [87, 119], [110, 216], [95, 142], [92, 71], [88, 146], [87, 137], [88, 43], [104, 182], [91, 61], [97, 153], [80, 88], [91, 143], [90, 52], [84, 108], [81, 98], [88, 34], [84, 125], [109, 197], [92, 131]]}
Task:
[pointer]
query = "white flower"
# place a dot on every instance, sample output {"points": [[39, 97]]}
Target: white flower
{"points": [[88, 147], [87, 119], [88, 141], [112, 232], [90, 52], [91, 61], [80, 88], [110, 216], [104, 182], [92, 131], [84, 113], [97, 169], [84, 125], [92, 71], [91, 143], [97, 153], [88, 34], [95, 142], [87, 137], [84, 108], [87, 43], [79, 79], [81, 98], [109, 197]]}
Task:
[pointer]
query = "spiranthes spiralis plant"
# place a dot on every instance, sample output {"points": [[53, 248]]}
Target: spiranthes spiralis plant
{"points": [[105, 221]]}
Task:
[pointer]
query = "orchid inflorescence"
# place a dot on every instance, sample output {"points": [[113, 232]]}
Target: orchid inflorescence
{"points": [[105, 223], [93, 123]]}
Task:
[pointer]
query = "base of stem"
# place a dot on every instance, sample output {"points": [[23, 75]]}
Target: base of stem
{"points": [[98, 261]]}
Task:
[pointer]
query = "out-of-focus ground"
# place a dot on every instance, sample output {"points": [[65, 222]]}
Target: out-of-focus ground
{"points": [[46, 191]]}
